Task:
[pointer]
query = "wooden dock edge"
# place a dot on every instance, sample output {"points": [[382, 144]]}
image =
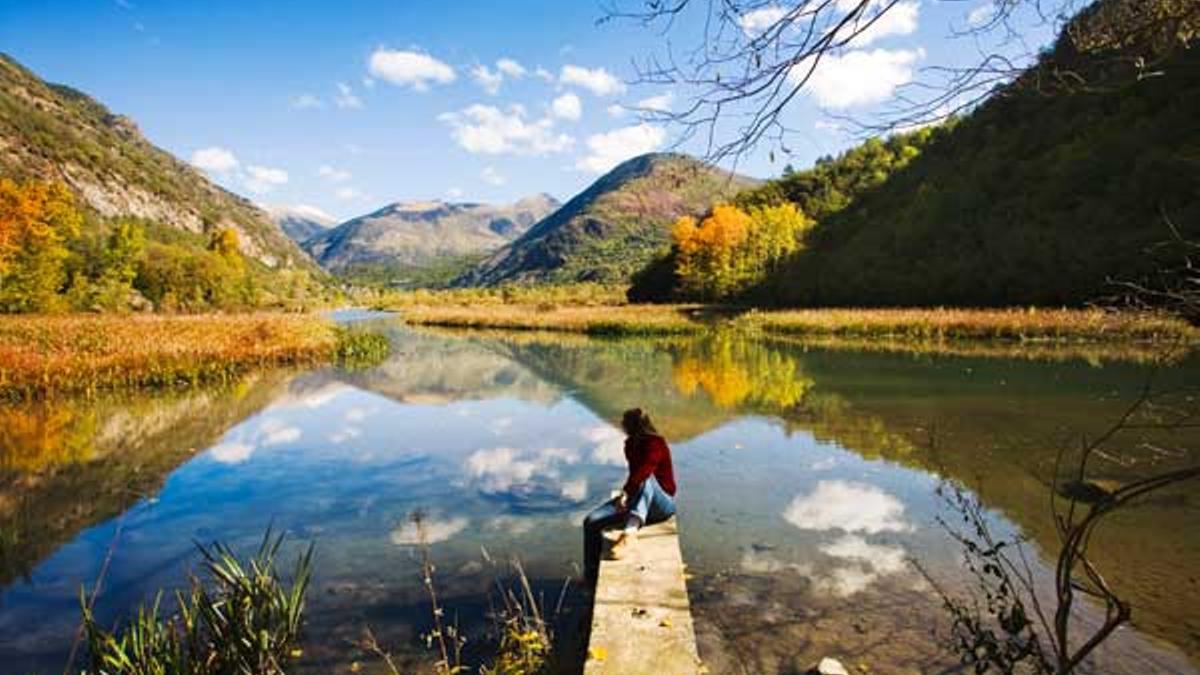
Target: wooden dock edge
{"points": [[641, 618]]}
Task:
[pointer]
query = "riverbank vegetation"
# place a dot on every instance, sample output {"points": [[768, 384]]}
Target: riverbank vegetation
{"points": [[48, 354], [240, 618], [56, 256], [917, 325]]}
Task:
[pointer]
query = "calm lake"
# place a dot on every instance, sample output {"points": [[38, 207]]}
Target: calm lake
{"points": [[810, 482]]}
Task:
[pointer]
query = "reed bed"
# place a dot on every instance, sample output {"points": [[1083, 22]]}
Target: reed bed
{"points": [[1032, 324], [601, 320], [548, 295], [923, 325], [42, 355]]}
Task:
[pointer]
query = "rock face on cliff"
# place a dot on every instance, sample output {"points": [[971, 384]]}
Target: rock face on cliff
{"points": [[614, 227], [419, 234], [53, 132]]}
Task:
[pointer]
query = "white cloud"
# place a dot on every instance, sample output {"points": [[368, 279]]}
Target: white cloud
{"points": [[274, 432], [509, 470], [409, 68], [455, 193], [864, 564], [432, 531], [616, 110], [883, 559], [849, 507], [596, 80], [859, 77], [575, 490], [232, 452], [510, 68], [609, 149], [981, 15], [661, 103], [756, 21], [487, 78], [491, 80], [609, 445], [568, 107], [881, 19], [214, 159], [493, 177], [544, 74], [347, 193], [307, 102], [346, 97], [260, 179], [332, 174], [485, 129]]}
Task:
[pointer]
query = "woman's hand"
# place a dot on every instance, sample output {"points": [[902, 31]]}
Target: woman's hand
{"points": [[620, 501]]}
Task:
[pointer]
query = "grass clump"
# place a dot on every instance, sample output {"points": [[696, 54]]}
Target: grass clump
{"points": [[43, 355], [244, 620], [361, 348]]}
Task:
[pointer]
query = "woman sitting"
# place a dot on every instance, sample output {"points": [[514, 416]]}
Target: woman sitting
{"points": [[648, 496]]}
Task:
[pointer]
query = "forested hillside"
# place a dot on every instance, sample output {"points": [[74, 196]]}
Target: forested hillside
{"points": [[95, 217], [745, 242], [52, 132], [1031, 200], [1039, 197]]}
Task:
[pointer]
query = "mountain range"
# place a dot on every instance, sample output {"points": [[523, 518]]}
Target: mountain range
{"points": [[407, 236]]}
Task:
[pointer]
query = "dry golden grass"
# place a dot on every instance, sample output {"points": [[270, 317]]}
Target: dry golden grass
{"points": [[40, 355], [974, 324], [602, 320], [1024, 325]]}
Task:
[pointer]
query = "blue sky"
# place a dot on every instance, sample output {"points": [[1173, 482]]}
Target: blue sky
{"points": [[351, 105]]}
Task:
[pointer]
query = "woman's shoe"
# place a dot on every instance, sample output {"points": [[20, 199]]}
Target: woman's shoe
{"points": [[620, 548]]}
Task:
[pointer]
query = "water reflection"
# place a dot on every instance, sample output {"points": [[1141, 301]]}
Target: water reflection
{"points": [[807, 478]]}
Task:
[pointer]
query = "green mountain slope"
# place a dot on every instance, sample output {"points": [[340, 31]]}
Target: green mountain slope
{"points": [[614, 227], [53, 132], [1033, 199]]}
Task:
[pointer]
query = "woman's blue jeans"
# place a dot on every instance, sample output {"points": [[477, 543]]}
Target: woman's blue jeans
{"points": [[651, 505]]}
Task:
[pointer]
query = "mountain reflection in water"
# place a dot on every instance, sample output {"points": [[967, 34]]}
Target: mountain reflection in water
{"points": [[808, 480]]}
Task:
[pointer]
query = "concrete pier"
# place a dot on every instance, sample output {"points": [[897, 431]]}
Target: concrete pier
{"points": [[641, 620]]}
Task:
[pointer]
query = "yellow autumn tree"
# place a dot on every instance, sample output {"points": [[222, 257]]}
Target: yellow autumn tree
{"points": [[36, 220], [707, 262], [731, 249]]}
